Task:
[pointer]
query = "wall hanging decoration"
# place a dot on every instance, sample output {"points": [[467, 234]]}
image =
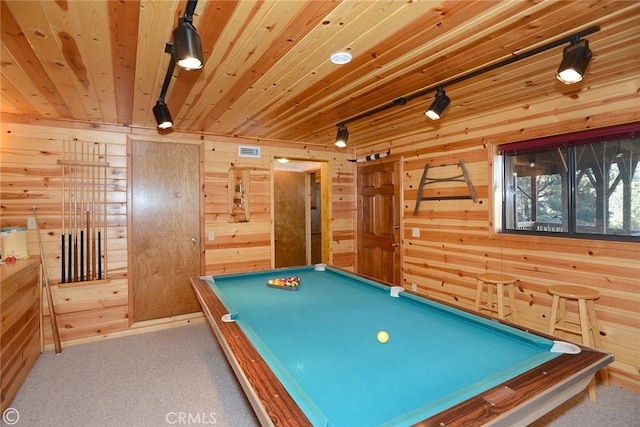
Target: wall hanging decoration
{"points": [[463, 177], [371, 157], [239, 195]]}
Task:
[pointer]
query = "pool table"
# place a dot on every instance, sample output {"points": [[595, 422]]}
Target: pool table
{"points": [[309, 354]]}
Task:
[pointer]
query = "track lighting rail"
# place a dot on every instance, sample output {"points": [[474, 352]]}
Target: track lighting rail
{"points": [[405, 99], [186, 52]]}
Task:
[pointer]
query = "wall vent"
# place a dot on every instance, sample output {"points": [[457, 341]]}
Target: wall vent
{"points": [[245, 151]]}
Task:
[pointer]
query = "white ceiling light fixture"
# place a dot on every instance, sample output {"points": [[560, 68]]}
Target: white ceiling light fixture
{"points": [[341, 58]]}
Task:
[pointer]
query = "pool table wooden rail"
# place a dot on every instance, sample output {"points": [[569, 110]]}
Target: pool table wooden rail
{"points": [[501, 405], [271, 402], [509, 401]]}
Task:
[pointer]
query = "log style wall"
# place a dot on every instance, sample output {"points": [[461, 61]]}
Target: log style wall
{"points": [[457, 237], [247, 246], [30, 175]]}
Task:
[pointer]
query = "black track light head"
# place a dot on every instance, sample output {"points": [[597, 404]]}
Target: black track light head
{"points": [[187, 45], [575, 59], [342, 136], [162, 115], [438, 105]]}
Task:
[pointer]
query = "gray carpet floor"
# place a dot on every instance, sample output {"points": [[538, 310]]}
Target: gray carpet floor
{"points": [[180, 376]]}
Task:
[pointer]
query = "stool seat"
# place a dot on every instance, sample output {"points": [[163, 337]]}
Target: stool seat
{"points": [[573, 292], [586, 324], [499, 281], [497, 278]]}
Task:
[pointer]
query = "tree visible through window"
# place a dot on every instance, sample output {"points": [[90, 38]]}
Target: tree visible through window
{"points": [[583, 185]]}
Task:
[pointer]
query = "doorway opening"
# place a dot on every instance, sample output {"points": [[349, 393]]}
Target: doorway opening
{"points": [[301, 213]]}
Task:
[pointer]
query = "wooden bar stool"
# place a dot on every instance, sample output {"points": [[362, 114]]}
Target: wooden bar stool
{"points": [[586, 324], [497, 281]]}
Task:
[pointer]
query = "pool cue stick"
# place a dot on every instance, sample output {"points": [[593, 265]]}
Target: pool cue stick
{"points": [[99, 268], [97, 193], [85, 214], [69, 237], [81, 261], [88, 258], [75, 212], [96, 218], [103, 223], [90, 222], [94, 174], [82, 191], [85, 221], [69, 257], [52, 311], [62, 260]]}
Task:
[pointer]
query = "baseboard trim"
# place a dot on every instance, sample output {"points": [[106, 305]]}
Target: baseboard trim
{"points": [[140, 328]]}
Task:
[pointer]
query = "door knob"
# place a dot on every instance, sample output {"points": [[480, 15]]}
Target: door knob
{"points": [[195, 240], [395, 245]]}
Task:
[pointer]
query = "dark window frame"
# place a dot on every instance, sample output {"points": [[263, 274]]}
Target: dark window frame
{"points": [[567, 143]]}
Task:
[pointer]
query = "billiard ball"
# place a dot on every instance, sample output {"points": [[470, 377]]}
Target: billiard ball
{"points": [[383, 337]]}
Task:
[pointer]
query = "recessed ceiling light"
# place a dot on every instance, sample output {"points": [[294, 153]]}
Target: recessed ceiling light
{"points": [[341, 58]]}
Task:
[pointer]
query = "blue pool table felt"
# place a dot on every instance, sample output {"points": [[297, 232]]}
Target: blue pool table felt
{"points": [[321, 343]]}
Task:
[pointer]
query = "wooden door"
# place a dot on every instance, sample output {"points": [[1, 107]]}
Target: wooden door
{"points": [[164, 228], [289, 198], [378, 222]]}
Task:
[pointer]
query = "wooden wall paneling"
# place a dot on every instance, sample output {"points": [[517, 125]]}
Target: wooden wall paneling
{"points": [[31, 176], [247, 246], [93, 323], [236, 247]]}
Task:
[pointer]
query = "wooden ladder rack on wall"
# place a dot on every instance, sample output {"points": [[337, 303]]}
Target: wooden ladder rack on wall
{"points": [[463, 177]]}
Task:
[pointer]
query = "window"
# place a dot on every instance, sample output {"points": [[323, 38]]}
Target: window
{"points": [[585, 184]]}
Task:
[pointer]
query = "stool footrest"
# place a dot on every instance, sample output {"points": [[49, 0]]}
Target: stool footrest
{"points": [[577, 330], [565, 329], [494, 310]]}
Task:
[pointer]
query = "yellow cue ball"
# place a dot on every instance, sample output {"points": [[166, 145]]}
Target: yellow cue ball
{"points": [[383, 337]]}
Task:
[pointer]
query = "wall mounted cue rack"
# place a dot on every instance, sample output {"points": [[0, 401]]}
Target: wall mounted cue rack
{"points": [[84, 213]]}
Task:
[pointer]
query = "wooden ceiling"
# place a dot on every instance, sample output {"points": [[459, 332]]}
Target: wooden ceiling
{"points": [[267, 71]]}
